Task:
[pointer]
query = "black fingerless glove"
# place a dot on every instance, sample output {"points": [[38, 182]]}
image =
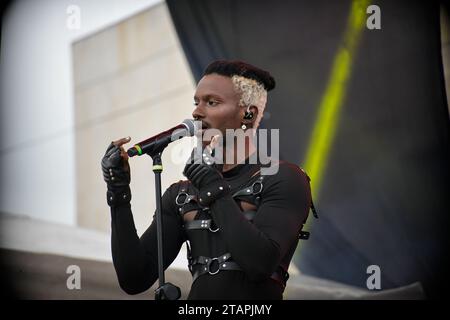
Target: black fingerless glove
{"points": [[116, 174], [207, 178]]}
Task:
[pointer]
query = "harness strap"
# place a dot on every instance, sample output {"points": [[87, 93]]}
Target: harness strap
{"points": [[303, 235], [314, 210], [205, 265], [208, 260], [201, 224], [208, 224], [254, 189]]}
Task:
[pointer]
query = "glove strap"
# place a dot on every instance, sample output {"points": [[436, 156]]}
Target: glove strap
{"points": [[118, 197], [213, 192]]}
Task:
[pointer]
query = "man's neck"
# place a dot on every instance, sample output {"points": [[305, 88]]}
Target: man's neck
{"points": [[238, 157]]}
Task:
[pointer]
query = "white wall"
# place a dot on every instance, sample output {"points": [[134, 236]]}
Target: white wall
{"points": [[37, 138], [131, 79]]}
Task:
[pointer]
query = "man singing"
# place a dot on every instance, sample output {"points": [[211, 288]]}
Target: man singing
{"points": [[241, 226]]}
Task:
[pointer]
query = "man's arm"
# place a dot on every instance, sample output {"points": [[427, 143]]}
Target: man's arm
{"points": [[136, 259], [259, 246]]}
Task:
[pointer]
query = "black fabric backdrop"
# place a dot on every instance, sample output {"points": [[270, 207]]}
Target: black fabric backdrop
{"points": [[384, 197]]}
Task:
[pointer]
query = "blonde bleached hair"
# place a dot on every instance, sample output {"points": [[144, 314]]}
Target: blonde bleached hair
{"points": [[252, 93], [251, 82]]}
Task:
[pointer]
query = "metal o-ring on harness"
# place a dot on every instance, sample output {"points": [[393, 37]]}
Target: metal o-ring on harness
{"points": [[212, 224], [253, 187], [251, 190], [213, 230], [208, 266], [188, 198]]}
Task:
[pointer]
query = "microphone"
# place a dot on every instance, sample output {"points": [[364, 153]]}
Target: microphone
{"points": [[157, 143]]}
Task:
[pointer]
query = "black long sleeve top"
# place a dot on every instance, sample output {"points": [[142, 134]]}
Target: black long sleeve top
{"points": [[258, 246]]}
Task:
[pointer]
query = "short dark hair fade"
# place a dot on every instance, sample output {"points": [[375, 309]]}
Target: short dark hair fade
{"points": [[230, 68]]}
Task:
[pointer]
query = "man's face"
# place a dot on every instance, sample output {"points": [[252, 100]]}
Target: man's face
{"points": [[217, 103]]}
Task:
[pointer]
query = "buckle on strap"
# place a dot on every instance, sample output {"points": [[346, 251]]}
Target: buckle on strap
{"points": [[304, 235], [184, 198], [215, 230], [204, 265], [201, 224], [210, 261], [254, 189]]}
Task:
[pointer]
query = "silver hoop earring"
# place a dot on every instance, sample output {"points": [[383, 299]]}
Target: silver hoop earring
{"points": [[243, 127]]}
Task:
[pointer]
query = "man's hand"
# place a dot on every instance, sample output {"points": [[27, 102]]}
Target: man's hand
{"points": [[206, 177], [116, 172], [115, 166]]}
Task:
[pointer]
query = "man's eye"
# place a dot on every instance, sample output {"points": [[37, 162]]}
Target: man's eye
{"points": [[212, 103], [195, 103]]}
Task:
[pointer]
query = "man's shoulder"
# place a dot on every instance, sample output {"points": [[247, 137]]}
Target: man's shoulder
{"points": [[286, 171], [289, 182], [171, 193], [179, 185]]}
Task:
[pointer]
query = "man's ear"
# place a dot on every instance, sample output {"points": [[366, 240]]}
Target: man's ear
{"points": [[252, 116]]}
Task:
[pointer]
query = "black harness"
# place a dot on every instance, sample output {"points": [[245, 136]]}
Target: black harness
{"points": [[202, 265]]}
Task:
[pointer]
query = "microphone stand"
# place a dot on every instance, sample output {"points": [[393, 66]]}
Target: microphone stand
{"points": [[166, 290]]}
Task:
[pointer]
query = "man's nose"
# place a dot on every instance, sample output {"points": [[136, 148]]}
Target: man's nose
{"points": [[198, 113]]}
